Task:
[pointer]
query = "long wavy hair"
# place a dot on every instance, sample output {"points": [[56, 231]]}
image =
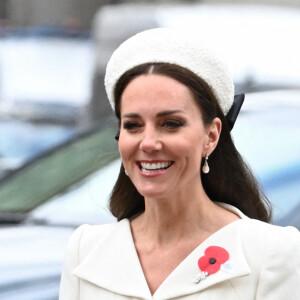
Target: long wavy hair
{"points": [[230, 180]]}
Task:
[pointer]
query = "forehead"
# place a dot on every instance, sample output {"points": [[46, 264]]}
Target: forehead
{"points": [[156, 92]]}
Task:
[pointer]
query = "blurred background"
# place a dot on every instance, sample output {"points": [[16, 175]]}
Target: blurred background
{"points": [[58, 156]]}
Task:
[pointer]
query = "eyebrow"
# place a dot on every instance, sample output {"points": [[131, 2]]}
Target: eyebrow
{"points": [[160, 114]]}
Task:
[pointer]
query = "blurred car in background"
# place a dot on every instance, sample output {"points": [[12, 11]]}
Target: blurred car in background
{"points": [[33, 236], [21, 140], [66, 181], [45, 78]]}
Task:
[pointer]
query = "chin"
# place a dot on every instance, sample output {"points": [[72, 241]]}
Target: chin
{"points": [[154, 188], [154, 192]]}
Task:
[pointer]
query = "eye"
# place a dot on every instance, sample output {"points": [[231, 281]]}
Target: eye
{"points": [[131, 125], [172, 124]]}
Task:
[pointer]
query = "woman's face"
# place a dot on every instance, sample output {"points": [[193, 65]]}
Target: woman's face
{"points": [[162, 136]]}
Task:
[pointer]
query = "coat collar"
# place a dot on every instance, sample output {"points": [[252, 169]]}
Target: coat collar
{"points": [[114, 264]]}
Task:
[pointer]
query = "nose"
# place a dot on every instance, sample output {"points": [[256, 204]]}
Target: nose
{"points": [[150, 140]]}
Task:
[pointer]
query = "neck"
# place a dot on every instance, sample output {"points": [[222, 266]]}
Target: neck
{"points": [[167, 220]]}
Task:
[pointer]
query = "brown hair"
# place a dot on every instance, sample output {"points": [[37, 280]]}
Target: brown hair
{"points": [[230, 180]]}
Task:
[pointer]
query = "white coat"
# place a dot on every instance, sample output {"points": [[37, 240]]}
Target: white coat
{"points": [[101, 262]]}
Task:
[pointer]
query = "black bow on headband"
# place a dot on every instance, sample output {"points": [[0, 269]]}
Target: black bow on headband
{"points": [[230, 117], [117, 135], [234, 110]]}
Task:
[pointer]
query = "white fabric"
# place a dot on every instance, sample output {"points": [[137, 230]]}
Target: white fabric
{"points": [[162, 45], [101, 263]]}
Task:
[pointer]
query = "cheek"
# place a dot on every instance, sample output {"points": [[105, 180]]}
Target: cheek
{"points": [[191, 145], [126, 146], [192, 151], [188, 151], [123, 149], [195, 155]]}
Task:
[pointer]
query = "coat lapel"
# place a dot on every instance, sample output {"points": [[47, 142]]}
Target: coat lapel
{"points": [[181, 281], [114, 265]]}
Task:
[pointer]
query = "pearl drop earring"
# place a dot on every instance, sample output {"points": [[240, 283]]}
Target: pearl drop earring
{"points": [[205, 168]]}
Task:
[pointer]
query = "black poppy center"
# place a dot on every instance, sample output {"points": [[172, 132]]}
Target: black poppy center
{"points": [[212, 260]]}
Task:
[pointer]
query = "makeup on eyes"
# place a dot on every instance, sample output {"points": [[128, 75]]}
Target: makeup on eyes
{"points": [[168, 119]]}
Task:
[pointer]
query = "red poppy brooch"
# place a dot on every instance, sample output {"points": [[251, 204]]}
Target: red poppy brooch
{"points": [[212, 260]]}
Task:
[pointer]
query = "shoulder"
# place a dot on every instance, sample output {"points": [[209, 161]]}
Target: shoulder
{"points": [[258, 232], [272, 253], [86, 237], [81, 242], [265, 243], [259, 236], [273, 249], [265, 239]]}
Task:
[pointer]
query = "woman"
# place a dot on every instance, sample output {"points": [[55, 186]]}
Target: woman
{"points": [[192, 221]]}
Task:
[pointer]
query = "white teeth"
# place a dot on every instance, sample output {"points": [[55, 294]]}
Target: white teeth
{"points": [[155, 166]]}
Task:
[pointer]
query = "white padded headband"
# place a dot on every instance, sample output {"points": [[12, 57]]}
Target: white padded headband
{"points": [[162, 45]]}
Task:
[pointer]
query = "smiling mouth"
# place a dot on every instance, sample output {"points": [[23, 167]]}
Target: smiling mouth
{"points": [[154, 167]]}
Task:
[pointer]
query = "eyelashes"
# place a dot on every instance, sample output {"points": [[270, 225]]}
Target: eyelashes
{"points": [[131, 125], [168, 124], [172, 124]]}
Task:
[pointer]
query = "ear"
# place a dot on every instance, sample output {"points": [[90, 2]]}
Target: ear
{"points": [[213, 131]]}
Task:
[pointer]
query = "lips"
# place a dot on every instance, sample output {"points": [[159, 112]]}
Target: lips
{"points": [[154, 166]]}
